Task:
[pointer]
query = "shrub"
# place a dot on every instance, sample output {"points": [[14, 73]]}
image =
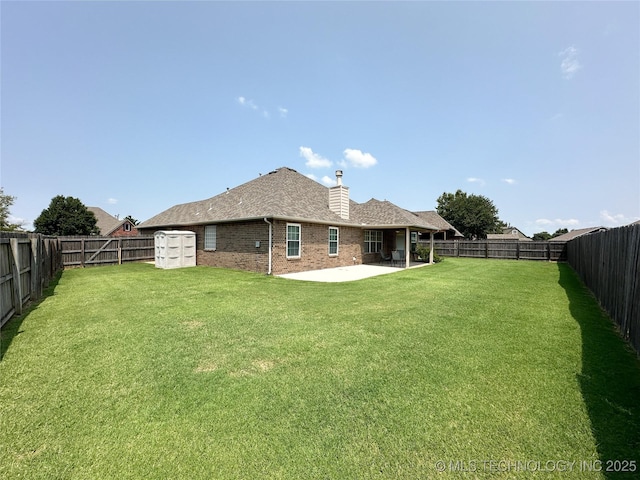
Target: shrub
{"points": [[423, 252]]}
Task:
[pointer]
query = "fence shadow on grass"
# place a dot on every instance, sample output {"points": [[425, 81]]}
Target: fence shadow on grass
{"points": [[12, 328], [610, 381]]}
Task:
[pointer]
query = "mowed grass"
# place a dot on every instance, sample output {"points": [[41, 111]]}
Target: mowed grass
{"points": [[136, 372]]}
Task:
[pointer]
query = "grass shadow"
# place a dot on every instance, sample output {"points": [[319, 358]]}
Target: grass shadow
{"points": [[11, 329], [609, 381]]}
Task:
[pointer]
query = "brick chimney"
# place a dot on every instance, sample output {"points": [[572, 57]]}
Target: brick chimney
{"points": [[339, 197]]}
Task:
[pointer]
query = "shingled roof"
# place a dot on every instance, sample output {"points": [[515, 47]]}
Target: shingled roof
{"points": [[384, 214], [577, 233], [283, 194], [432, 217], [106, 223]]}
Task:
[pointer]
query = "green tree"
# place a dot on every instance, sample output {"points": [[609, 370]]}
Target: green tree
{"points": [[5, 202], [66, 216], [541, 236], [132, 220], [560, 231], [473, 215]]}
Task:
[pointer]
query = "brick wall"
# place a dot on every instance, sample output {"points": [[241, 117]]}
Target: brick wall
{"points": [[236, 247], [315, 248]]}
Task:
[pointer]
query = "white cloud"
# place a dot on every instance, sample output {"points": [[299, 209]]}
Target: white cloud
{"points": [[328, 181], [311, 176], [615, 220], [283, 112], [112, 201], [510, 181], [570, 63], [247, 103], [557, 222], [313, 160], [356, 158], [479, 181]]}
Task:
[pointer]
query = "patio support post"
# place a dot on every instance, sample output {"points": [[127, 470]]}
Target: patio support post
{"points": [[407, 247], [431, 247]]}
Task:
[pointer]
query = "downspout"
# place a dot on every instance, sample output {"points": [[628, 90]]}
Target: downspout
{"points": [[270, 236]]}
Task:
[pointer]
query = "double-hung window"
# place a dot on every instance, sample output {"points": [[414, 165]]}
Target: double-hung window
{"points": [[293, 240], [210, 234], [333, 241], [372, 241]]}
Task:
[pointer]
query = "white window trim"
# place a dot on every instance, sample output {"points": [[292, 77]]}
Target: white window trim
{"points": [[337, 241], [211, 248], [368, 243], [299, 240]]}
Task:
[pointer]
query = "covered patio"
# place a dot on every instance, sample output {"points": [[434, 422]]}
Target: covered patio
{"points": [[388, 229]]}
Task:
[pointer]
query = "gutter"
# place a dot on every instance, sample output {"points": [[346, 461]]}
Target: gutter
{"points": [[270, 242]]}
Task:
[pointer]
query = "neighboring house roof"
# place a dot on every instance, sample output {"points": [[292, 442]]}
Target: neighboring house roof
{"points": [[282, 194], [432, 217], [577, 233], [509, 233], [107, 223]]}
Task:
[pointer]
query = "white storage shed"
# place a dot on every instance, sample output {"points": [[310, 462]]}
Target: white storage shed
{"points": [[175, 249]]}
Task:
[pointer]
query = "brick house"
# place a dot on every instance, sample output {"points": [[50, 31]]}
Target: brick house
{"points": [[285, 222], [111, 226]]}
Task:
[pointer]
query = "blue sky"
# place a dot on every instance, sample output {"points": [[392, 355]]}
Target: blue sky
{"points": [[137, 106]]}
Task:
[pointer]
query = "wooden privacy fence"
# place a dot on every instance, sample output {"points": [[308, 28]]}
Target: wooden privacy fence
{"points": [[609, 265], [506, 249], [28, 263], [86, 251]]}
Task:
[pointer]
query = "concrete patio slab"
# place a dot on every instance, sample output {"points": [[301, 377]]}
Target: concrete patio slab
{"points": [[345, 274]]}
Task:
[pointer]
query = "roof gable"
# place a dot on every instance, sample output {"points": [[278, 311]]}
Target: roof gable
{"points": [[106, 223], [282, 193]]}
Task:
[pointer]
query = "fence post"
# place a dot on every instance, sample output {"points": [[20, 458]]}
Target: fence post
{"points": [[17, 281], [518, 250], [36, 268], [82, 252]]}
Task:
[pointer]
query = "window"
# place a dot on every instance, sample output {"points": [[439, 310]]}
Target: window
{"points": [[293, 240], [210, 235], [126, 227], [333, 241], [372, 241]]}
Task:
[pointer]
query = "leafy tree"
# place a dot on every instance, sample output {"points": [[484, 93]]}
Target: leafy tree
{"points": [[542, 236], [134, 221], [560, 231], [473, 215], [5, 202], [66, 216]]}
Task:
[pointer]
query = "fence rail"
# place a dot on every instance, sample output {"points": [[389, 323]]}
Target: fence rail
{"points": [[609, 265], [505, 249], [28, 263], [87, 251]]}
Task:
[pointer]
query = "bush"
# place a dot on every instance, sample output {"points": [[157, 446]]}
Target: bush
{"points": [[423, 253]]}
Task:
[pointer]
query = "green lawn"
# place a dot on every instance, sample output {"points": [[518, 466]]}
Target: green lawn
{"points": [[503, 368]]}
